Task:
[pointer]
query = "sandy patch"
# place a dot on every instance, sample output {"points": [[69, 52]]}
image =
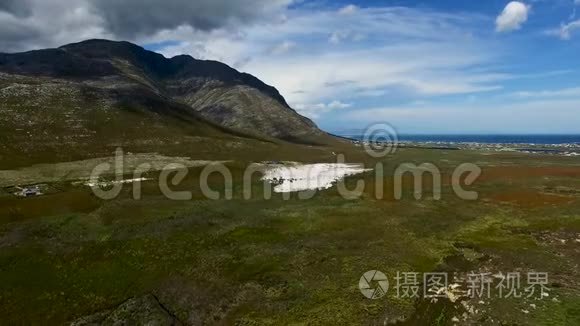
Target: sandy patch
{"points": [[299, 177]]}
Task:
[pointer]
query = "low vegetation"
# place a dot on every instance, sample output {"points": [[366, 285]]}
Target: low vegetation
{"points": [[70, 257]]}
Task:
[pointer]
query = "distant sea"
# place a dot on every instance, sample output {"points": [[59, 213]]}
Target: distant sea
{"points": [[488, 139]]}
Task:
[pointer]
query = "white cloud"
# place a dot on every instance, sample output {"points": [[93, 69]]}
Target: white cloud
{"points": [[377, 71], [37, 27], [348, 10], [372, 92], [566, 30], [335, 38], [283, 48], [316, 110], [559, 93], [345, 35], [512, 17], [338, 105]]}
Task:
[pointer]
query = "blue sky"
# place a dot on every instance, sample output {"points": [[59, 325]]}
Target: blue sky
{"points": [[442, 66], [423, 66]]}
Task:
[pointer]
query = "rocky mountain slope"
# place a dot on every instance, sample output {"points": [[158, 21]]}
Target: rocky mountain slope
{"points": [[94, 95]]}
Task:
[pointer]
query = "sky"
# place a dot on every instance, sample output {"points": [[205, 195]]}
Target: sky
{"points": [[429, 67]]}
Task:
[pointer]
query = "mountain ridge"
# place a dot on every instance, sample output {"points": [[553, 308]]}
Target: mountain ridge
{"points": [[97, 58], [84, 99], [180, 62]]}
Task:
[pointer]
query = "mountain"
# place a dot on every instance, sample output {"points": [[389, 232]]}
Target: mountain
{"points": [[91, 96]]}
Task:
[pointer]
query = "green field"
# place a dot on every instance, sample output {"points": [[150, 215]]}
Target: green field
{"points": [[69, 255]]}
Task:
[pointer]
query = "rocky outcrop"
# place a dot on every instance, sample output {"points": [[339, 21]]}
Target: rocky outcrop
{"points": [[146, 310]]}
